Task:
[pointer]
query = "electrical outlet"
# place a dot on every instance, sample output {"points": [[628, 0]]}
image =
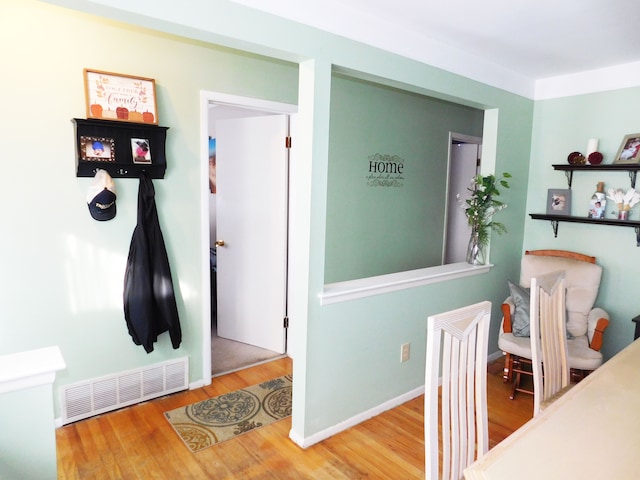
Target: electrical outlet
{"points": [[405, 350]]}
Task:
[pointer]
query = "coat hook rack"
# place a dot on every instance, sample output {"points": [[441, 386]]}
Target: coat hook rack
{"points": [[124, 149]]}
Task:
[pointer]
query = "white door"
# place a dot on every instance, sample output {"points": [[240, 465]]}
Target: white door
{"points": [[463, 166], [252, 171]]}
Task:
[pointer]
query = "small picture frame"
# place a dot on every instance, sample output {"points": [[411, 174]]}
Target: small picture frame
{"points": [[141, 150], [97, 149], [629, 151], [597, 205], [118, 97], [558, 201]]}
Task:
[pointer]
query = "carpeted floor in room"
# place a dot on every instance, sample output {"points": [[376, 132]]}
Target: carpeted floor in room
{"points": [[229, 356]]}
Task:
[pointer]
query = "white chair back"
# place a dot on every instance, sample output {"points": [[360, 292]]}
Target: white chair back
{"points": [[548, 332], [457, 343]]}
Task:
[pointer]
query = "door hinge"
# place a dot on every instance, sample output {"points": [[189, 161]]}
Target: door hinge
{"points": [[287, 142], [286, 322]]}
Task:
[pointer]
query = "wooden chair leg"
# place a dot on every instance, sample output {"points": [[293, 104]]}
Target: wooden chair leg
{"points": [[507, 372], [514, 372], [520, 366], [516, 386], [514, 367], [577, 375]]}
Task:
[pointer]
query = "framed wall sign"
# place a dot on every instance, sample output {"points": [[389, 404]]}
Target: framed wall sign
{"points": [[114, 96]]}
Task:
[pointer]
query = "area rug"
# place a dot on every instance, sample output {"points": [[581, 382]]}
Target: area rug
{"points": [[208, 422]]}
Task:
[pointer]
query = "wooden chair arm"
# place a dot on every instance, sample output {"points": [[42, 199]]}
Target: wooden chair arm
{"points": [[562, 254], [596, 341], [506, 313]]}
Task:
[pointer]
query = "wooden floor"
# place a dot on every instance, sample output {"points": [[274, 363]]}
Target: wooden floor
{"points": [[138, 443]]}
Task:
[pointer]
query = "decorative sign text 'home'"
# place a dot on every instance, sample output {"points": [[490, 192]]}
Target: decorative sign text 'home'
{"points": [[385, 171]]}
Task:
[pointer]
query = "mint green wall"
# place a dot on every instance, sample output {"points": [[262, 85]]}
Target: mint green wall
{"points": [[354, 346], [562, 126], [27, 437], [374, 230], [346, 355], [62, 272]]}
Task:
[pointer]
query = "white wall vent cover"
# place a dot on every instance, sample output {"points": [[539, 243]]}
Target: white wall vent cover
{"points": [[98, 395]]}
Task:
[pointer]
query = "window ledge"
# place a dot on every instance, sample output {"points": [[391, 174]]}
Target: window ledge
{"points": [[366, 287]]}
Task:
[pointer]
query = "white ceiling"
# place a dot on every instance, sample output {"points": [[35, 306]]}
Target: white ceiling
{"points": [[514, 38]]}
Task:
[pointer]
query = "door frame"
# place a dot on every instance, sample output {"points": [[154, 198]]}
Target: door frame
{"points": [[206, 98], [450, 206]]}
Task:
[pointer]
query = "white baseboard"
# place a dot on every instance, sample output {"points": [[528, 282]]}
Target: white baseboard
{"points": [[306, 442], [199, 384], [495, 356]]}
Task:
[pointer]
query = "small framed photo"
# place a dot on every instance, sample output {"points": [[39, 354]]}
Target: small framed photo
{"points": [[597, 206], [114, 96], [558, 201], [629, 151], [140, 150], [97, 149]]}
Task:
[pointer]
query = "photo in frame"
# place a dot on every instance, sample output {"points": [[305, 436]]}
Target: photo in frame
{"points": [[629, 151], [97, 149], [114, 96], [597, 203], [558, 201], [140, 150]]}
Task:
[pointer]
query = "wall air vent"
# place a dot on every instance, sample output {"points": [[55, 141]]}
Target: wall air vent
{"points": [[99, 395]]}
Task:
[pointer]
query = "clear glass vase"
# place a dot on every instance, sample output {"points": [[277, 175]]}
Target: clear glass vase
{"points": [[475, 251]]}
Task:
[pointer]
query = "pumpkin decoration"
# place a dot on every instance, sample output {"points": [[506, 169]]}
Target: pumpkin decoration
{"points": [[147, 117], [96, 110], [135, 116], [109, 114], [122, 113]]}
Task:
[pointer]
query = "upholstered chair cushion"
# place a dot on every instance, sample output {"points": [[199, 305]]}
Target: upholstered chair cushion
{"points": [[582, 281], [580, 355], [520, 318]]}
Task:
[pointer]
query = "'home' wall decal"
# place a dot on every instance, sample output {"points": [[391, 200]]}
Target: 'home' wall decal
{"points": [[385, 171]]}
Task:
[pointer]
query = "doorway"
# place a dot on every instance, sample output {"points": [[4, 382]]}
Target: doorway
{"points": [[465, 153], [248, 229]]}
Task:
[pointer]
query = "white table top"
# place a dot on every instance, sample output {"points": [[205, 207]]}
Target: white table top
{"points": [[591, 432]]}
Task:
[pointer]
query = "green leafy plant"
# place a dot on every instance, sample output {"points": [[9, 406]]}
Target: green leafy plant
{"points": [[482, 205]]}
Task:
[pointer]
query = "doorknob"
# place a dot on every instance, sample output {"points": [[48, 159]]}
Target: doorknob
{"points": [[219, 243]]}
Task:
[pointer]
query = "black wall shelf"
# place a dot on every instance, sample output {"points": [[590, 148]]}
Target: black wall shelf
{"points": [[119, 157], [568, 170], [556, 219]]}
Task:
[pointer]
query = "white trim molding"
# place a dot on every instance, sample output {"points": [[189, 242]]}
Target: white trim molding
{"points": [[366, 287], [19, 371], [306, 442], [353, 421]]}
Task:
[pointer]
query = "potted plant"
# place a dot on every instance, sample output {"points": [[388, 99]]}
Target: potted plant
{"points": [[480, 208]]}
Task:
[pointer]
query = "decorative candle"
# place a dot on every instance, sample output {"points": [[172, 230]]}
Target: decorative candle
{"points": [[592, 146]]}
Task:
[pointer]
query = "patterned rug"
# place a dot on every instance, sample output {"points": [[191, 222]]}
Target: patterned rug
{"points": [[220, 418]]}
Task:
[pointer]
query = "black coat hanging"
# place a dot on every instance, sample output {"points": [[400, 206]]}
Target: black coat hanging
{"points": [[149, 301]]}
